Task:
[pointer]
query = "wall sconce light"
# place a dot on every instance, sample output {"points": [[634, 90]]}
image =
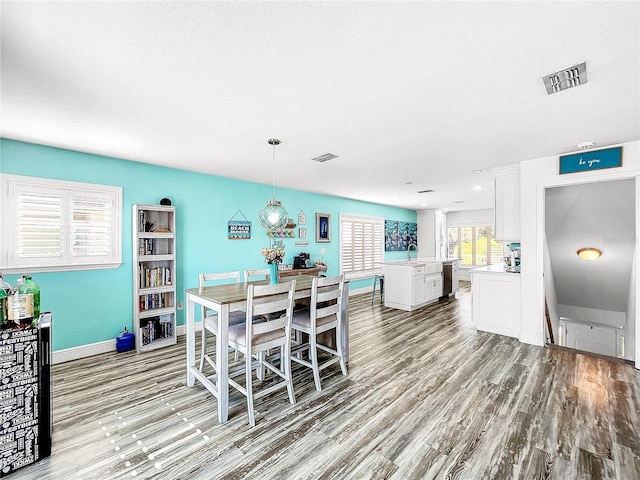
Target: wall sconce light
{"points": [[589, 253]]}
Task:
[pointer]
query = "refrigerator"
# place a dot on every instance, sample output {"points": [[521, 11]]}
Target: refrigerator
{"points": [[26, 407]]}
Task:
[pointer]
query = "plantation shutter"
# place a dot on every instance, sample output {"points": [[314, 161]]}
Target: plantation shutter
{"points": [[361, 245], [91, 221], [39, 224], [52, 225]]}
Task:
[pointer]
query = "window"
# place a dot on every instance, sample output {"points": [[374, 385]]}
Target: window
{"points": [[361, 245], [474, 245], [52, 225]]}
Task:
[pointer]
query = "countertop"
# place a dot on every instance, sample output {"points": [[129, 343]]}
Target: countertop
{"points": [[498, 268], [418, 261]]}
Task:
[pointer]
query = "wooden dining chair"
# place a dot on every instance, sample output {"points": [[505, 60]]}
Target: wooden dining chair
{"points": [[257, 274], [323, 315], [261, 274], [255, 339], [210, 317]]}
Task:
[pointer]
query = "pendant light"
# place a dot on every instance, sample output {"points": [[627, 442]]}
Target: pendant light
{"points": [[273, 216]]}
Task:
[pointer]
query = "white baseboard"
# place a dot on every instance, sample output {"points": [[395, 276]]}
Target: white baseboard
{"points": [[75, 353]]}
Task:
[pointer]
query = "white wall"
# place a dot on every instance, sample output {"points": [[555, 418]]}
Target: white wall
{"points": [[592, 315], [535, 176]]}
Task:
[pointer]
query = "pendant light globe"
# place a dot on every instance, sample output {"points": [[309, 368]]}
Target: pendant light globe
{"points": [[273, 216]]}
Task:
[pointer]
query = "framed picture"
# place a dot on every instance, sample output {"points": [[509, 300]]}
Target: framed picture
{"points": [[302, 218], [323, 228], [302, 233]]}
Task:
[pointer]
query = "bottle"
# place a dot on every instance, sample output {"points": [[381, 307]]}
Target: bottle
{"points": [[20, 305], [35, 289], [5, 288]]}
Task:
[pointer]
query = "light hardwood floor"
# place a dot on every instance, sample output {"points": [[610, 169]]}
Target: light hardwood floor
{"points": [[426, 397]]}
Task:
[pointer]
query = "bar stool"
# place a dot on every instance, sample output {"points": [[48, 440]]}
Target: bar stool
{"points": [[376, 279]]}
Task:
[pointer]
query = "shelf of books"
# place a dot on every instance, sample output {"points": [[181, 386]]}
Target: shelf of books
{"points": [[154, 260]]}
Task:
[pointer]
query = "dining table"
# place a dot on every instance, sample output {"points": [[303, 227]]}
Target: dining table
{"points": [[227, 298]]}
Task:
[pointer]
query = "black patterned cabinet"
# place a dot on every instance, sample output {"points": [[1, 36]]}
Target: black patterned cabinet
{"points": [[25, 396]]}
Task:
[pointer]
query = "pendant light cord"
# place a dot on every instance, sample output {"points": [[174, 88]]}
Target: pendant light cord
{"points": [[274, 170], [273, 142]]}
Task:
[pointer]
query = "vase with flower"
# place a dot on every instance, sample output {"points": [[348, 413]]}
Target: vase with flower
{"points": [[273, 256]]}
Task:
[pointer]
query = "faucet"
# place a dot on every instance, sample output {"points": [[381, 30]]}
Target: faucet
{"points": [[415, 247]]}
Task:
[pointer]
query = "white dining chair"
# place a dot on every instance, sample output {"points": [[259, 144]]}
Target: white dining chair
{"points": [[257, 274], [210, 317], [323, 315], [260, 274], [255, 339]]}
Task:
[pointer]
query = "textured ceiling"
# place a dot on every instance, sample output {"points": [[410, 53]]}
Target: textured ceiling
{"points": [[420, 92], [600, 215]]}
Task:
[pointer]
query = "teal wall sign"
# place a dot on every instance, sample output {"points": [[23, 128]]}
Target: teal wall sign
{"points": [[586, 161]]}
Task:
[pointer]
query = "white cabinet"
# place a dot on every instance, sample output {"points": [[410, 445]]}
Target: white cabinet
{"points": [[418, 295], [432, 286], [410, 285], [154, 270], [495, 299], [507, 202], [432, 233]]}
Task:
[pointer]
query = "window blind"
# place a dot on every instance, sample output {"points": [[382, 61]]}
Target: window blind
{"points": [[361, 245], [39, 224], [91, 220], [52, 225]]}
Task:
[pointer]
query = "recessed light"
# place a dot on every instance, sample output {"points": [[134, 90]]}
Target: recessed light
{"points": [[477, 171], [586, 145], [409, 183], [477, 187], [459, 201], [426, 191]]}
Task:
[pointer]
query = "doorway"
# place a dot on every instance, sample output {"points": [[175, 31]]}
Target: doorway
{"points": [[592, 304]]}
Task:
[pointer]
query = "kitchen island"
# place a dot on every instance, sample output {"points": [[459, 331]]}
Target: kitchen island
{"points": [[495, 299], [411, 284]]}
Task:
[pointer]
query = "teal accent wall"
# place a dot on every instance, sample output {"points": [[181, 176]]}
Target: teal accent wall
{"points": [[94, 306]]}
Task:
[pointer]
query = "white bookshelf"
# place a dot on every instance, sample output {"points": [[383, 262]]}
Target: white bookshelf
{"points": [[154, 269]]}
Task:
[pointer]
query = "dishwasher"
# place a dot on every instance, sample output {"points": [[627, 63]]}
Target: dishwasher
{"points": [[450, 278]]}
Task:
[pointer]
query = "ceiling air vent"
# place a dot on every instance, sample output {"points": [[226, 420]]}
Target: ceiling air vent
{"points": [[567, 78], [426, 191], [325, 158]]}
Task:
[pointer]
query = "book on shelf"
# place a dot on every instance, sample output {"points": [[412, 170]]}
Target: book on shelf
{"points": [[156, 329], [155, 300], [154, 277]]}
